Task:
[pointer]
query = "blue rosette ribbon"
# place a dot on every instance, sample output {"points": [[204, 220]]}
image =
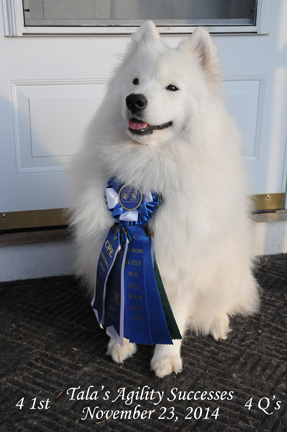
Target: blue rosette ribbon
{"points": [[129, 299]]}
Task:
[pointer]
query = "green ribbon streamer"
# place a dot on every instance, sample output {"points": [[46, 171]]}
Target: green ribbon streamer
{"points": [[170, 320]]}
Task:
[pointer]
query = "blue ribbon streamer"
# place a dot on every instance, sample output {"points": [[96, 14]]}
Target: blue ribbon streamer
{"points": [[127, 299], [144, 317]]}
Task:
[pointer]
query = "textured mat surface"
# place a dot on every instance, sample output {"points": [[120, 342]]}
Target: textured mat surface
{"points": [[55, 375]]}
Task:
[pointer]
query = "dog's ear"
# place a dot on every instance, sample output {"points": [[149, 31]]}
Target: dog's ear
{"points": [[147, 37], [146, 33], [201, 44]]}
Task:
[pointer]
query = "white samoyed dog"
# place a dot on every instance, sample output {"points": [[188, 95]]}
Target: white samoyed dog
{"points": [[163, 127]]}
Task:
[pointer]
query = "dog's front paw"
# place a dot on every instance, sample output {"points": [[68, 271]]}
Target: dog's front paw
{"points": [[165, 365], [220, 326], [120, 353]]}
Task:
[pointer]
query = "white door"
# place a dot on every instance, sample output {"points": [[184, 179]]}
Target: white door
{"points": [[52, 83]]}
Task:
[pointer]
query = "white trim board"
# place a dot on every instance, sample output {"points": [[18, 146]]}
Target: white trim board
{"points": [[57, 258], [36, 260], [270, 237]]}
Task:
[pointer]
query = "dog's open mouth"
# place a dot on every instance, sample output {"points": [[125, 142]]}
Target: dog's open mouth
{"points": [[138, 127]]}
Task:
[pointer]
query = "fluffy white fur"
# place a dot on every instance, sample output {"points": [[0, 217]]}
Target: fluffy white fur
{"points": [[202, 230]]}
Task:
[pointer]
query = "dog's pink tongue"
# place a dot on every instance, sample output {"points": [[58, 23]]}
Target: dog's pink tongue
{"points": [[135, 125]]}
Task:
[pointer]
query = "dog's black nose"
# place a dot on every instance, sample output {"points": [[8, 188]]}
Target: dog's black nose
{"points": [[136, 102]]}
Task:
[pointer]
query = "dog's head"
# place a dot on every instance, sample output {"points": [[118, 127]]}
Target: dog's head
{"points": [[162, 88]]}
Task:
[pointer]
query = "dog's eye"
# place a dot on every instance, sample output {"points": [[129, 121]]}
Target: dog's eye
{"points": [[172, 87], [136, 81]]}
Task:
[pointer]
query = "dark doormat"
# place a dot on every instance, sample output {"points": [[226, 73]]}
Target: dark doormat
{"points": [[56, 376]]}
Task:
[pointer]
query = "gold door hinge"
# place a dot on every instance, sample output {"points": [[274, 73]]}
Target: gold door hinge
{"points": [[33, 219], [273, 201], [59, 217]]}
